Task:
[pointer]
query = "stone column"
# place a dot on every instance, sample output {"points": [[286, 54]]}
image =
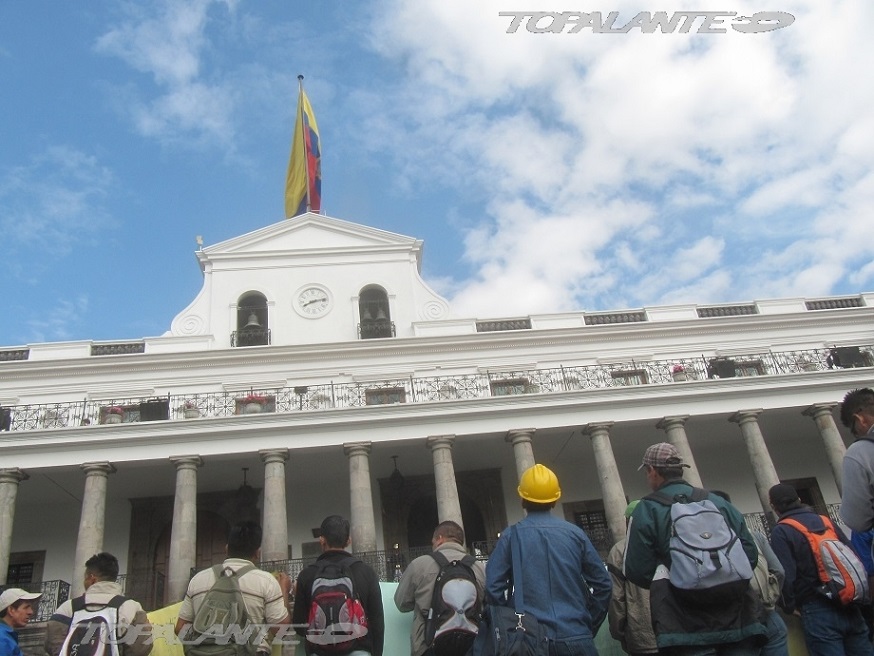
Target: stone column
{"points": [[183, 533], [523, 451], [675, 427], [821, 413], [92, 520], [362, 519], [608, 477], [763, 467], [9, 480], [275, 523], [448, 506]]}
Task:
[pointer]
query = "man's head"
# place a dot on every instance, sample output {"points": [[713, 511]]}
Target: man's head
{"points": [[783, 497], [857, 411], [538, 488], [17, 607], [244, 540], [335, 533], [100, 567], [447, 531], [662, 462]]}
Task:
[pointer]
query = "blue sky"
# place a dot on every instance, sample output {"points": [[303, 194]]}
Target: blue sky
{"points": [[545, 172]]}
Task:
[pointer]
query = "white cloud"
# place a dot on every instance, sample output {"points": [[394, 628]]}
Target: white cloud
{"points": [[55, 200], [169, 45], [601, 159], [58, 323]]}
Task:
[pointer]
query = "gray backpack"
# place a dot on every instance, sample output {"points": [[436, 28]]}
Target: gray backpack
{"points": [[708, 563], [221, 626]]}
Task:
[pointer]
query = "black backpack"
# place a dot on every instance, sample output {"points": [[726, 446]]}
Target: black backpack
{"points": [[452, 621]]}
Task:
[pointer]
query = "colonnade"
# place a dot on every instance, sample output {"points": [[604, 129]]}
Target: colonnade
{"points": [[362, 519]]}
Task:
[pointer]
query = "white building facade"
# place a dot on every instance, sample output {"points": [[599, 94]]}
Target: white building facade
{"points": [[317, 373]]}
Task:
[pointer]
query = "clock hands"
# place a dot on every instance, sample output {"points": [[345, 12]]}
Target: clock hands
{"points": [[315, 300]]}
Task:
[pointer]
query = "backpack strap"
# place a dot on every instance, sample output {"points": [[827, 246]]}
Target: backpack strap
{"points": [[78, 603]]}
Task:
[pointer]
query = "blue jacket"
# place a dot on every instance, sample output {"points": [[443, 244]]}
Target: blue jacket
{"points": [[559, 566], [793, 550], [8, 640]]}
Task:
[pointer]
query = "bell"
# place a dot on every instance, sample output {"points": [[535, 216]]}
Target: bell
{"points": [[366, 316], [253, 321], [380, 314]]}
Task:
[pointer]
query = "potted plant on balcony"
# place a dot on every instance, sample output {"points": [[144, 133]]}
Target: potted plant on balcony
{"points": [[678, 373], [114, 415], [253, 403], [190, 410]]}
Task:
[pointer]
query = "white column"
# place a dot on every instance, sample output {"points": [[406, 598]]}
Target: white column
{"points": [[275, 523], [183, 533], [760, 459], [608, 476], [448, 505], [675, 428], [362, 520], [9, 480], [92, 520], [523, 450], [821, 413]]}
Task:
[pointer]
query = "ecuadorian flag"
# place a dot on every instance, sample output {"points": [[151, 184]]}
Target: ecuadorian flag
{"points": [[303, 184]]}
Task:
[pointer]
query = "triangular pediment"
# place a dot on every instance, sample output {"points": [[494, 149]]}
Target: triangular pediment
{"points": [[311, 233]]}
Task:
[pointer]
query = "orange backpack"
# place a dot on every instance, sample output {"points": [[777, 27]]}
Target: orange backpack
{"points": [[841, 573]]}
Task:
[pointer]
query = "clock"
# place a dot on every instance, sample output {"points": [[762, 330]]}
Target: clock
{"points": [[313, 301]]}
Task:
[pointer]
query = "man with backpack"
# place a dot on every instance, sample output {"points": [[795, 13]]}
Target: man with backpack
{"points": [[445, 589], [337, 600], [234, 609], [102, 620], [832, 622], [700, 593]]}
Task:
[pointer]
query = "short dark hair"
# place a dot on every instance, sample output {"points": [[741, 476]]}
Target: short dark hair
{"points": [[335, 530], [669, 473], [244, 539], [531, 505], [854, 402], [103, 565], [449, 530], [784, 497]]}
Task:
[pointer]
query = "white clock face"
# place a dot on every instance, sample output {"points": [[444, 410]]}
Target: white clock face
{"points": [[313, 301]]}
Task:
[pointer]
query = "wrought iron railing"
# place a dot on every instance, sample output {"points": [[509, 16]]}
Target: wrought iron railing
{"points": [[430, 388], [762, 523]]}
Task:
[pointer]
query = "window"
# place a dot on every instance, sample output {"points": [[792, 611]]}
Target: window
{"points": [[252, 326], [509, 386], [629, 377], [374, 314], [385, 396], [749, 368]]}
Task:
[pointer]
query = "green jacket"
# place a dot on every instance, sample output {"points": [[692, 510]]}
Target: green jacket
{"points": [[677, 624]]}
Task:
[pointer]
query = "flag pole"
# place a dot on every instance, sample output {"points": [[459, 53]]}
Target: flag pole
{"points": [[306, 166]]}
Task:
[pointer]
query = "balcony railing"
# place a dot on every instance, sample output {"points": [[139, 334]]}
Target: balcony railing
{"points": [[429, 389]]}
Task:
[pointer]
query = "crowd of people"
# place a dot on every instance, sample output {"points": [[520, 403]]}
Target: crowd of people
{"points": [[687, 579]]}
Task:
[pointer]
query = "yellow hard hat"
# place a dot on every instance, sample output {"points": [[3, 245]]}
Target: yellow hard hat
{"points": [[539, 484]]}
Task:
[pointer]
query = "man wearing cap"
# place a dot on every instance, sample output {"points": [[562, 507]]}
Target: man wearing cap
{"points": [[726, 628], [16, 609], [565, 585], [829, 628], [628, 614], [133, 629]]}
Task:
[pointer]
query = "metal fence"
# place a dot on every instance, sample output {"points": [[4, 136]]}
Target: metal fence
{"points": [[300, 398]]}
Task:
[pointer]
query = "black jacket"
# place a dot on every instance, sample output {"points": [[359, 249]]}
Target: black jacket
{"points": [[366, 586], [796, 556]]}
